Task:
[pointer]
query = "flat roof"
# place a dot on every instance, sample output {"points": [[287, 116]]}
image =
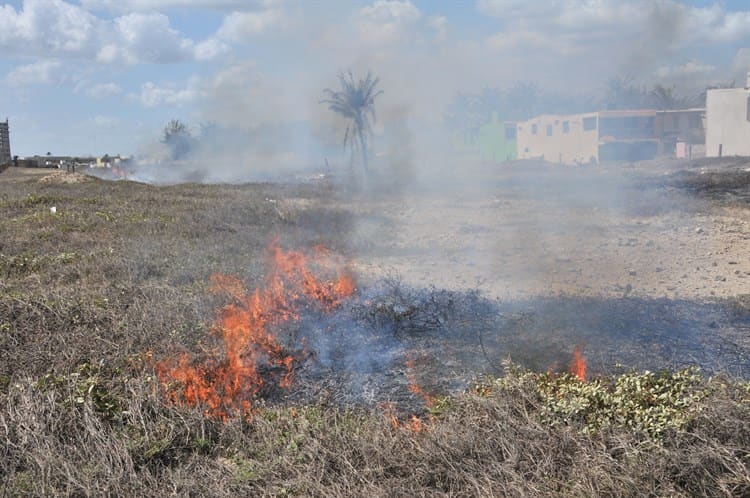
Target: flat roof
{"points": [[628, 113], [694, 109]]}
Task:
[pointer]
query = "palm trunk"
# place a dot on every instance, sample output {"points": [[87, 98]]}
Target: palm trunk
{"points": [[363, 147]]}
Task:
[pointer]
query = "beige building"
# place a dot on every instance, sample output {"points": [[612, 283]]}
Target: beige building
{"points": [[5, 157], [728, 121], [626, 135]]}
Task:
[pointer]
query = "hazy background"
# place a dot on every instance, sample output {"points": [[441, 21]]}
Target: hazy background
{"points": [[104, 76]]}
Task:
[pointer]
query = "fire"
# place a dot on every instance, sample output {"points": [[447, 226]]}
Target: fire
{"points": [[414, 423], [414, 387], [251, 357], [578, 364]]}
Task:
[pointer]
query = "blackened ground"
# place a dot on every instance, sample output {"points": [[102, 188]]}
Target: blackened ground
{"points": [[360, 352]]}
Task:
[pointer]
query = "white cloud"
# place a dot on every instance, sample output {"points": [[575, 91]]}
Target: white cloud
{"points": [[153, 95], [210, 49], [634, 37], [54, 28], [145, 38], [152, 5], [41, 72], [387, 21], [439, 25], [47, 28], [103, 90], [669, 22], [238, 26]]}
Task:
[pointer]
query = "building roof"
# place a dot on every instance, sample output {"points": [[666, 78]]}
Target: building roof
{"points": [[628, 113], [694, 109]]}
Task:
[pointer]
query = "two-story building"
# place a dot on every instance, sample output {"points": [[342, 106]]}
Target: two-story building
{"points": [[622, 135]]}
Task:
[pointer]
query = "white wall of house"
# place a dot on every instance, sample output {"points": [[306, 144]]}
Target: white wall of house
{"points": [[559, 139], [728, 122]]}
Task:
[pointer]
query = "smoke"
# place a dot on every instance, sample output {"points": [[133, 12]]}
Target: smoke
{"points": [[451, 217]]}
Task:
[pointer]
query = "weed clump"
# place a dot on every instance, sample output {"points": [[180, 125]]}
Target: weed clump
{"points": [[647, 402]]}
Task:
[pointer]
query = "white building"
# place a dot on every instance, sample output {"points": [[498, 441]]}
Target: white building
{"points": [[728, 121]]}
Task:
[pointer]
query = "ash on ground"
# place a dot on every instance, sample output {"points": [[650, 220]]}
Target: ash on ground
{"points": [[360, 353]]}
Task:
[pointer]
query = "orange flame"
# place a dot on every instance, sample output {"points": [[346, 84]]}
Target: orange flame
{"points": [[252, 356], [578, 364], [415, 424], [414, 387]]}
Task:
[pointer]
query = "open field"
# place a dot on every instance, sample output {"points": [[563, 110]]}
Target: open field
{"points": [[646, 266]]}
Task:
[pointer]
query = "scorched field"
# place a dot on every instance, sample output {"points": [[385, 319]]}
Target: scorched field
{"points": [[520, 330]]}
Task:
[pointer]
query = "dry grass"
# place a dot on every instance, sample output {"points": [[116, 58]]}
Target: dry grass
{"points": [[89, 295]]}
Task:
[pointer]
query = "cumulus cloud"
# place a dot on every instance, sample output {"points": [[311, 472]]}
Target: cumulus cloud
{"points": [[51, 27], [152, 5], [145, 38], [169, 94], [54, 28], [669, 21], [387, 21], [439, 25], [634, 37], [238, 26], [41, 72]]}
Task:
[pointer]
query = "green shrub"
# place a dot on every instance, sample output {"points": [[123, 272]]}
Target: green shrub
{"points": [[645, 402]]}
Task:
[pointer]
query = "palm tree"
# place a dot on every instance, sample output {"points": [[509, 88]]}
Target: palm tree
{"points": [[355, 101]]}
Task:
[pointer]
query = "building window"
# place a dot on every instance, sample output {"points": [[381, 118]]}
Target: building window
{"points": [[696, 122], [510, 132], [676, 122], [549, 130], [566, 126], [534, 129], [589, 123]]}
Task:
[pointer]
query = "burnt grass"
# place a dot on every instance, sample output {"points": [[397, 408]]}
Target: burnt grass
{"points": [[93, 295]]}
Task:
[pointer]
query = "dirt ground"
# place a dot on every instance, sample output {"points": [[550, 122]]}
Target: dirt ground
{"points": [[648, 265], [532, 229], [536, 230]]}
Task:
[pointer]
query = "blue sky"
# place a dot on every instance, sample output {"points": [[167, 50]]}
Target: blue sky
{"points": [[104, 76]]}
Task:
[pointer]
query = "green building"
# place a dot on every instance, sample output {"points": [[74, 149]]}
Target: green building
{"points": [[496, 140]]}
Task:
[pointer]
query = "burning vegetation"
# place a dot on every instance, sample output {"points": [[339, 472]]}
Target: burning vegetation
{"points": [[303, 386], [250, 356]]}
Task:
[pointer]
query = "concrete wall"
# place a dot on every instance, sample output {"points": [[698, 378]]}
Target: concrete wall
{"points": [[557, 142], [727, 123]]}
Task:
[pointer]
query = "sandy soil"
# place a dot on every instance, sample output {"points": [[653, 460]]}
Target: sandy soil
{"points": [[609, 232]]}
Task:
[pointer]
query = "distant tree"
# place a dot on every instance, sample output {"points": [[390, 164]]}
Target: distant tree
{"points": [[700, 99], [355, 101], [177, 137], [621, 92], [665, 98], [465, 112]]}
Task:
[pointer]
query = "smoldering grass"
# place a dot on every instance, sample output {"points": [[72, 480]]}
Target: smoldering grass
{"points": [[83, 414]]}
